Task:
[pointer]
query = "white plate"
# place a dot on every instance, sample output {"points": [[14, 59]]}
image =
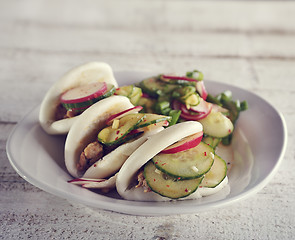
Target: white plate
{"points": [[259, 145]]}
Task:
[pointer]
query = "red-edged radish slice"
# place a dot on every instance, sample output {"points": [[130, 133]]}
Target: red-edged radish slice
{"points": [[135, 109], [136, 131], [202, 90], [184, 144], [195, 117], [81, 181], [95, 183], [171, 77], [190, 115], [176, 105], [84, 93], [202, 107], [145, 95], [217, 108]]}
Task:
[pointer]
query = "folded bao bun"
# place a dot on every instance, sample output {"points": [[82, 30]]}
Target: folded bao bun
{"points": [[103, 173], [155, 144], [112, 162], [85, 74], [85, 129]]}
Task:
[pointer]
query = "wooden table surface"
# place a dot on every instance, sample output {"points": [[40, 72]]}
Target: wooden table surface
{"points": [[249, 44]]}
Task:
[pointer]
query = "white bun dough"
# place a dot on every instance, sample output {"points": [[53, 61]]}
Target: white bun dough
{"points": [[84, 74], [85, 129]]}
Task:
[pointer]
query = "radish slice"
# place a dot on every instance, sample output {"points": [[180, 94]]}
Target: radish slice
{"points": [[135, 109], [84, 93], [194, 117], [202, 90], [95, 183], [189, 115], [202, 107], [171, 77], [145, 95], [184, 144], [217, 108], [80, 181]]}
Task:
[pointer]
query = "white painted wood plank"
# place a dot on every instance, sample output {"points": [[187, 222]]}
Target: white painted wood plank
{"points": [[249, 16]]}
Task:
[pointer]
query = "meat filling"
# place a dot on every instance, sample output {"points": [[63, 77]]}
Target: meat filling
{"points": [[142, 182], [62, 113], [92, 153]]}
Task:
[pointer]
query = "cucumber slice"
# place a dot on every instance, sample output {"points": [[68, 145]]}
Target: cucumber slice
{"points": [[155, 87], [125, 90], [168, 186], [110, 90], [216, 174], [212, 141], [135, 95], [189, 164], [111, 136], [151, 118], [130, 91], [151, 86], [217, 125]]}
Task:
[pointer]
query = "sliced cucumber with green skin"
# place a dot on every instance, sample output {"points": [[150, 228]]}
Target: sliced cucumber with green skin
{"points": [[150, 118], [217, 125], [216, 174], [132, 92], [189, 164], [111, 136], [154, 87], [125, 90], [135, 96], [168, 186], [212, 141], [76, 105]]}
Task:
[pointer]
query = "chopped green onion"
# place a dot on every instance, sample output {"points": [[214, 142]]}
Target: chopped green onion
{"points": [[227, 140], [214, 100], [195, 74], [161, 106], [175, 116], [244, 106]]}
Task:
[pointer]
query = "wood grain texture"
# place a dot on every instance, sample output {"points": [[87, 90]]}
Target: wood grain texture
{"points": [[245, 43]]}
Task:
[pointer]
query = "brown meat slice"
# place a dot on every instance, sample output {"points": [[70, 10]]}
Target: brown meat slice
{"points": [[92, 153], [142, 182]]}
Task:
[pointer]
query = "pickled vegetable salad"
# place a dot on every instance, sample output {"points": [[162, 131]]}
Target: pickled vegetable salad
{"points": [[185, 98]]}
